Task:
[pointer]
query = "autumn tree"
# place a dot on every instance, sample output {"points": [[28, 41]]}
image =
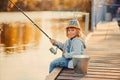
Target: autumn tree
{"points": [[41, 5]]}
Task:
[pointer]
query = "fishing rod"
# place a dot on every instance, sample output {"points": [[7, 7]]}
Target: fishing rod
{"points": [[30, 19], [51, 49]]}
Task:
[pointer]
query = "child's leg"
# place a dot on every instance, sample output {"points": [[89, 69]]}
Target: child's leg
{"points": [[59, 62]]}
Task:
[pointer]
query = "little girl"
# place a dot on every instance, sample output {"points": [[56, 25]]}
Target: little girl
{"points": [[73, 46]]}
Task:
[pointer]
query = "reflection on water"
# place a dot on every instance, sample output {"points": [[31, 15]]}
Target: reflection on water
{"points": [[18, 36], [33, 63]]}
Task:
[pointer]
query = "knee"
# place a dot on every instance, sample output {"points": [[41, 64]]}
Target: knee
{"points": [[52, 64]]}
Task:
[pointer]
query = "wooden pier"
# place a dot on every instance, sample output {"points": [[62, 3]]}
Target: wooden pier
{"points": [[103, 47]]}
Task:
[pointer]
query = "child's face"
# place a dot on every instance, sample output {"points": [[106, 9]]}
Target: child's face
{"points": [[72, 32]]}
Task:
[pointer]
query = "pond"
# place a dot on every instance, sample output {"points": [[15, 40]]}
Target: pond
{"points": [[29, 62]]}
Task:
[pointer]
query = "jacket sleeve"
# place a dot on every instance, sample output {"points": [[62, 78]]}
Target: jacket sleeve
{"points": [[60, 45], [78, 48]]}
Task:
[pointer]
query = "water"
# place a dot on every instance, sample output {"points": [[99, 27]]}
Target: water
{"points": [[32, 64]]}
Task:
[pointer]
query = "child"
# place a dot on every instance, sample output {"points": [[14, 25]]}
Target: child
{"points": [[73, 46]]}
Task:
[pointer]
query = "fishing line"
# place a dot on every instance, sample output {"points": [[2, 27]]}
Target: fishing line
{"points": [[30, 19]]}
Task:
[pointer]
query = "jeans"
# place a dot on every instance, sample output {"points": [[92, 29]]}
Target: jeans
{"points": [[59, 62]]}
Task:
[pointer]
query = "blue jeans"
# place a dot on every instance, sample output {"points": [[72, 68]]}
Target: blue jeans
{"points": [[59, 62]]}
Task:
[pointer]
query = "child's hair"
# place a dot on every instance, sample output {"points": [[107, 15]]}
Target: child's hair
{"points": [[79, 33]]}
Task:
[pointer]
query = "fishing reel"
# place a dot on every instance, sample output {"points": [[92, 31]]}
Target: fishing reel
{"points": [[53, 50]]}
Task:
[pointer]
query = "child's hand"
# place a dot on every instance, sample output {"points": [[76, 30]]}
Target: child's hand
{"points": [[53, 41], [63, 52]]}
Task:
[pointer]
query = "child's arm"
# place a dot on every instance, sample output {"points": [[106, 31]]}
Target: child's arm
{"points": [[57, 43]]}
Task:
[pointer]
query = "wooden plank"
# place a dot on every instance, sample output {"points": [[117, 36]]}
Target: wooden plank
{"points": [[107, 34], [89, 78], [54, 74], [102, 38], [103, 45], [101, 49], [111, 67], [103, 52], [103, 70], [102, 76], [71, 71], [67, 78], [103, 42], [112, 72], [106, 61], [73, 74], [103, 73], [91, 73], [106, 31]]}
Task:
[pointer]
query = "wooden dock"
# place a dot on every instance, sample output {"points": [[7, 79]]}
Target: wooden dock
{"points": [[103, 46]]}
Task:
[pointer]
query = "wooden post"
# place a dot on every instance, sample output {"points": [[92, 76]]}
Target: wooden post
{"points": [[86, 23]]}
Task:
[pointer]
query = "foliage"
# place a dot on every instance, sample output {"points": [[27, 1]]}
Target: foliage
{"points": [[41, 5]]}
